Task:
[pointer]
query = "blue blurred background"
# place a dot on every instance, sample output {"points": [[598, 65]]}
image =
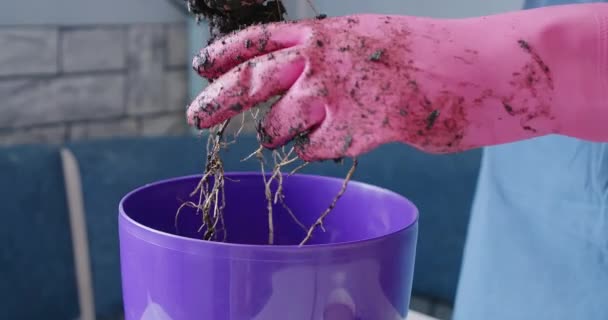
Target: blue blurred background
{"points": [[92, 101]]}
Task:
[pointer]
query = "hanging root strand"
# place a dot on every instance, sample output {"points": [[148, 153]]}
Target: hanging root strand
{"points": [[313, 7], [210, 189], [298, 168], [319, 222], [268, 195], [280, 161], [179, 210], [211, 199]]}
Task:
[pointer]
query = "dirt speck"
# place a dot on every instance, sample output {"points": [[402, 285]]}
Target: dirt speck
{"points": [[348, 142], [539, 62], [508, 108], [377, 55], [237, 107], [431, 119], [301, 140], [264, 137]]}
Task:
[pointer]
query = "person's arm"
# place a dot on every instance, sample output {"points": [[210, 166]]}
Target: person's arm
{"points": [[550, 67], [352, 83]]}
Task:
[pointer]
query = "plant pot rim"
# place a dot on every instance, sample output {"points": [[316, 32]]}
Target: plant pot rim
{"points": [[150, 234]]}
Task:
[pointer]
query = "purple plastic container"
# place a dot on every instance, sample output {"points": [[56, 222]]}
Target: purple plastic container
{"points": [[361, 268]]}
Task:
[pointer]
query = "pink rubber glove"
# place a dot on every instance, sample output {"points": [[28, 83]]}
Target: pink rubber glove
{"points": [[349, 84]]}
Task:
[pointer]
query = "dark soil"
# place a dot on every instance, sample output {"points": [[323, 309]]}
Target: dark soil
{"points": [[225, 16]]}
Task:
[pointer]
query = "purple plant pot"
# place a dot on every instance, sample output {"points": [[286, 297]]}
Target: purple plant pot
{"points": [[360, 268]]}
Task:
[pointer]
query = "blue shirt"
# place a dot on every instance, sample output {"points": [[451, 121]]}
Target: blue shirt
{"points": [[537, 246]]}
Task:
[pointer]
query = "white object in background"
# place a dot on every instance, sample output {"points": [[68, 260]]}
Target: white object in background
{"points": [[413, 315], [78, 228]]}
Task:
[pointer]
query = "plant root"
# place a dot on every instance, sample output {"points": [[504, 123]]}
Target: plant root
{"points": [[319, 222], [211, 200], [313, 7], [211, 196]]}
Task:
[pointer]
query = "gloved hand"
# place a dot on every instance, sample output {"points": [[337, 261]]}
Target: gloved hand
{"points": [[349, 84]]}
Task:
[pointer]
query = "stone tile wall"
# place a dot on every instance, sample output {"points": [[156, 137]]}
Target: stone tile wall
{"points": [[62, 83]]}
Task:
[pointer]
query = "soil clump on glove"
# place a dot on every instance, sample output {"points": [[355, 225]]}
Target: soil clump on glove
{"points": [[225, 16]]}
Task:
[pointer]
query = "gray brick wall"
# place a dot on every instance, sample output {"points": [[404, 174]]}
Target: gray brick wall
{"points": [[64, 83], [93, 49], [28, 51]]}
